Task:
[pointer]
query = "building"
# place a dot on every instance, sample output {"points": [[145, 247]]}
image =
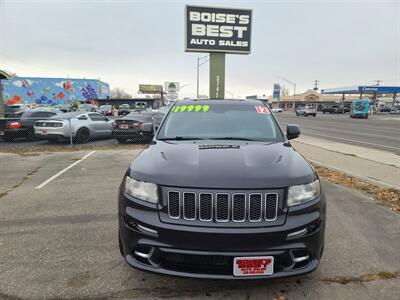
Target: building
{"points": [[52, 91], [311, 97]]}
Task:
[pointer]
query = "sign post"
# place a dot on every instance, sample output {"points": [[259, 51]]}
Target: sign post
{"points": [[217, 75], [217, 31], [277, 93]]}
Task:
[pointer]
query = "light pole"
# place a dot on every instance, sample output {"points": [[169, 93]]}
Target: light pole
{"points": [[294, 89], [200, 61]]}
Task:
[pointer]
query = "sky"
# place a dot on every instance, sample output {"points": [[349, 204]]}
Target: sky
{"points": [[126, 43]]}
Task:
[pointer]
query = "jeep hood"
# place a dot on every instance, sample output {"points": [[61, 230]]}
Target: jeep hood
{"points": [[221, 164]]}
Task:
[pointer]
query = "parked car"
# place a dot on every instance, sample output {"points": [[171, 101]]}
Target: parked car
{"points": [[395, 110], [11, 110], [220, 193], [130, 126], [333, 109], [306, 111], [84, 127], [346, 108], [277, 110], [385, 109], [23, 125], [64, 108], [87, 107], [106, 110], [124, 110]]}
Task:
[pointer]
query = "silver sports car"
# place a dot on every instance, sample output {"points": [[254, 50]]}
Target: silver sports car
{"points": [[83, 126]]}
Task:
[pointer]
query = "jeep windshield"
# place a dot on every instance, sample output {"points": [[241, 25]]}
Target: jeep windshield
{"points": [[209, 120]]}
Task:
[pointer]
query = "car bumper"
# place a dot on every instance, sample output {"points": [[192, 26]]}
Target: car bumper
{"points": [[16, 133], [126, 133], [48, 133], [208, 252]]}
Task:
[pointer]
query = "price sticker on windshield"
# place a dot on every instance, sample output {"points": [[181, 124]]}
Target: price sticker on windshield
{"points": [[262, 109], [191, 108]]}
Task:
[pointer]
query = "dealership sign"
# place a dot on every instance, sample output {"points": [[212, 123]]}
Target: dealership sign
{"points": [[171, 86], [150, 88], [211, 29]]}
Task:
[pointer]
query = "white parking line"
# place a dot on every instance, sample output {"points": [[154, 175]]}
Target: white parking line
{"points": [[64, 170]]}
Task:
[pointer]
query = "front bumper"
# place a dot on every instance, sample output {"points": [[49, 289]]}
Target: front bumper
{"points": [[208, 252]]}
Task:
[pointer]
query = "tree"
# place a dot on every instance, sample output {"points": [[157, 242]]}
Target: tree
{"points": [[119, 93]]}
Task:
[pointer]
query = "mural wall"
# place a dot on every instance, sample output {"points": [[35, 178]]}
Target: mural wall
{"points": [[52, 91]]}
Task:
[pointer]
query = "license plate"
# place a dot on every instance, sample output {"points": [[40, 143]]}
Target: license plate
{"points": [[44, 132], [253, 266], [124, 126]]}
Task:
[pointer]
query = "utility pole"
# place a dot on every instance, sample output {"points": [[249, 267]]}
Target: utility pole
{"points": [[378, 81], [316, 82]]}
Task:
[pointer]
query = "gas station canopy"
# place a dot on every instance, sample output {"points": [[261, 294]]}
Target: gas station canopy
{"points": [[363, 89]]}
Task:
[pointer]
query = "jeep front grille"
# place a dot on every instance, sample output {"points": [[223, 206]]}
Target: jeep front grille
{"points": [[222, 207]]}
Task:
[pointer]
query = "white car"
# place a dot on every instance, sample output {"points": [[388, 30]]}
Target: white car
{"points": [[84, 126], [277, 110]]}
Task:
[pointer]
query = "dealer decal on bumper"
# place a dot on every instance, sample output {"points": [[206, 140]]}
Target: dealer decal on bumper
{"points": [[253, 266]]}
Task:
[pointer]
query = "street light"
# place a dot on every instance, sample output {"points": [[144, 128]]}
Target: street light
{"points": [[200, 61]]}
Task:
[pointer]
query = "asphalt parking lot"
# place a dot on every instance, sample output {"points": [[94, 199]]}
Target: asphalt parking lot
{"points": [[58, 239]]}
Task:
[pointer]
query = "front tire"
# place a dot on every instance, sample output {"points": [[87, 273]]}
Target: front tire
{"points": [[83, 136]]}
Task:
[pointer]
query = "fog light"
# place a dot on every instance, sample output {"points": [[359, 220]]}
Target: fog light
{"points": [[130, 223]]}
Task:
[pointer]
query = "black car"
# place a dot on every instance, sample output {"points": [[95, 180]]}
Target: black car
{"points": [[130, 126], [23, 127], [124, 110], [333, 109], [221, 193]]}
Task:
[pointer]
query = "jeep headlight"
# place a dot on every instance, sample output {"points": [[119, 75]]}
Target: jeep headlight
{"points": [[299, 194], [143, 190]]}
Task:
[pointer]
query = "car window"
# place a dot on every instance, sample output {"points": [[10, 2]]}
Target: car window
{"points": [[37, 114], [220, 120], [97, 117]]}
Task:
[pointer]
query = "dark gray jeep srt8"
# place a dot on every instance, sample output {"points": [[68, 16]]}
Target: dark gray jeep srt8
{"points": [[221, 193]]}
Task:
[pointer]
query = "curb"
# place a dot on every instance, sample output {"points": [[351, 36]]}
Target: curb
{"points": [[348, 173]]}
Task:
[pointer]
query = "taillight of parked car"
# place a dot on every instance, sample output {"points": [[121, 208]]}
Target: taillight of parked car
{"points": [[14, 125], [137, 124]]}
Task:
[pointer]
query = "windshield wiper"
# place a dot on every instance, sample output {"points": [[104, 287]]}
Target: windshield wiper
{"points": [[181, 138]]}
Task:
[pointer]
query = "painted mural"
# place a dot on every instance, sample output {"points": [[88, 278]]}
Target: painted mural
{"points": [[52, 91]]}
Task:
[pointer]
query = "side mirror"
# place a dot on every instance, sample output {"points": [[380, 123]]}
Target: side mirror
{"points": [[147, 127], [292, 131]]}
